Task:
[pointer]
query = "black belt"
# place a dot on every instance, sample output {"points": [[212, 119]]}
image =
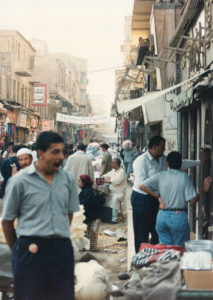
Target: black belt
{"points": [[174, 209]]}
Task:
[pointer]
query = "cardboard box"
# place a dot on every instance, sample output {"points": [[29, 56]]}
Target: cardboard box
{"points": [[198, 280]]}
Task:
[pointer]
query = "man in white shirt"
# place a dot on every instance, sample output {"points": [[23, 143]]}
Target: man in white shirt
{"points": [[145, 207], [117, 181], [8, 152], [79, 163]]}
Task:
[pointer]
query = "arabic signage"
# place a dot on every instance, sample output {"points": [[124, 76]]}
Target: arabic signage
{"points": [[34, 122], [179, 101], [40, 94], [47, 125], [11, 116], [80, 120], [22, 120]]}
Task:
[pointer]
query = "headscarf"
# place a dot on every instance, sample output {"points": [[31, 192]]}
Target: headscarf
{"points": [[86, 180]]}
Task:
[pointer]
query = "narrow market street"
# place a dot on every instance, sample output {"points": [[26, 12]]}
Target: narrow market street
{"points": [[106, 150]]}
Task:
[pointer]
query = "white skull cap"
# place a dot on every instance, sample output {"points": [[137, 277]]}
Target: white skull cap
{"points": [[24, 151]]}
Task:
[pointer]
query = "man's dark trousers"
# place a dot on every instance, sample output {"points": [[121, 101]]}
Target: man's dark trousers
{"points": [[144, 211], [45, 275]]}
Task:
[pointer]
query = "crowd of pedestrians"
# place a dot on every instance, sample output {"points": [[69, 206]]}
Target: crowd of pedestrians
{"points": [[43, 184]]}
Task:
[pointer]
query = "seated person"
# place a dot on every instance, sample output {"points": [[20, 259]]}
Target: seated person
{"points": [[117, 186], [173, 189], [92, 281]]}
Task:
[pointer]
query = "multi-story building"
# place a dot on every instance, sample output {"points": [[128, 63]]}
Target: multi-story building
{"points": [[178, 102], [52, 71], [16, 85], [77, 90], [77, 68]]}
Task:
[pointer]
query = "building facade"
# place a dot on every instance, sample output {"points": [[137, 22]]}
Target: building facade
{"points": [[16, 86]]}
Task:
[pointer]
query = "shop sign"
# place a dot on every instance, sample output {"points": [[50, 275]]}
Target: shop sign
{"points": [[11, 116], [22, 120], [40, 94], [64, 109], [183, 99], [34, 122], [53, 102], [46, 125]]}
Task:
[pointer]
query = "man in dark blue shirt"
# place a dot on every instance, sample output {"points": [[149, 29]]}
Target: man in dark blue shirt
{"points": [[137, 151], [6, 167]]}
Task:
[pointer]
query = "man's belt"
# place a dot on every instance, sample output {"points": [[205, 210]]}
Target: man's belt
{"points": [[174, 209]]}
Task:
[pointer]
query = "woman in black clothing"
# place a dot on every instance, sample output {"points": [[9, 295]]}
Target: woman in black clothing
{"points": [[92, 201]]}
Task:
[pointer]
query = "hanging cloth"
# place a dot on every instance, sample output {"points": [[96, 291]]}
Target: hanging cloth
{"points": [[126, 124]]}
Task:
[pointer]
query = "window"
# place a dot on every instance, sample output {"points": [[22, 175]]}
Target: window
{"points": [[83, 97], [18, 92], [22, 95], [83, 78], [14, 89]]}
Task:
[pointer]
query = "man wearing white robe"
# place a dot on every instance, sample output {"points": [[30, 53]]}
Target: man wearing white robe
{"points": [[117, 181]]}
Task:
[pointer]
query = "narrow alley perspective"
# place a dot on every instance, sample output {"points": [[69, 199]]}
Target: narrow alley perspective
{"points": [[106, 149]]}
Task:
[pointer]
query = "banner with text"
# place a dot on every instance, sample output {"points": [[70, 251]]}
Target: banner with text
{"points": [[80, 120]]}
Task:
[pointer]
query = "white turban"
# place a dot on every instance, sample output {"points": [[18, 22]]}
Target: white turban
{"points": [[24, 151]]}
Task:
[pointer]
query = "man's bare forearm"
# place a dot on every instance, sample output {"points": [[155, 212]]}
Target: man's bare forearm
{"points": [[9, 232], [70, 218]]}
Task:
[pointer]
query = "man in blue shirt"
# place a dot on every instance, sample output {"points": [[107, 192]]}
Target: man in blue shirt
{"points": [[6, 167], [137, 151], [175, 189], [43, 197]]}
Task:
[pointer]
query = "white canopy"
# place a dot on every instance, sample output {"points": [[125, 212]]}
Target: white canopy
{"points": [[128, 105]]}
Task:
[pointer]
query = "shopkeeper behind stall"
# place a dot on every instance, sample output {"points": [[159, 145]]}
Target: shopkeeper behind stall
{"points": [[173, 189]]}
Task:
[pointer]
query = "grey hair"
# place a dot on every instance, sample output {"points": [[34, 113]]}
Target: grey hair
{"points": [[117, 161]]}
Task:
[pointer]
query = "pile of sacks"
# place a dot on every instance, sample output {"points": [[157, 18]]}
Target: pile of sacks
{"points": [[78, 229]]}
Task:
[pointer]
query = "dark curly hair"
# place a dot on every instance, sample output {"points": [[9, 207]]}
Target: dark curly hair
{"points": [[155, 141], [174, 160]]}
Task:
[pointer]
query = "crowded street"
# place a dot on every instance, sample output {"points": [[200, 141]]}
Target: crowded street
{"points": [[106, 150]]}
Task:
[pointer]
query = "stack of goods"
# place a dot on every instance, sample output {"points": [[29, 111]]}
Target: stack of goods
{"points": [[78, 229], [127, 145]]}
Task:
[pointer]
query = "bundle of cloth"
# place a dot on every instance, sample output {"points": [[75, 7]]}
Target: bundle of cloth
{"points": [[78, 229], [162, 281], [149, 254]]}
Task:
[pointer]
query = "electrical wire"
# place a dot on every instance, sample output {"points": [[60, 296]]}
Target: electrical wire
{"points": [[106, 69]]}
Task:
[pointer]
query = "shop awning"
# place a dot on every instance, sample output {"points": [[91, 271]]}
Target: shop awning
{"points": [[151, 98], [154, 114]]}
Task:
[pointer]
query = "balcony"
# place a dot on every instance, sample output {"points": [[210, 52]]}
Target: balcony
{"points": [[23, 73]]}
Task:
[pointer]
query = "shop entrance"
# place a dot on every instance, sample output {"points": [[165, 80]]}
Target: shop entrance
{"points": [[206, 203]]}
